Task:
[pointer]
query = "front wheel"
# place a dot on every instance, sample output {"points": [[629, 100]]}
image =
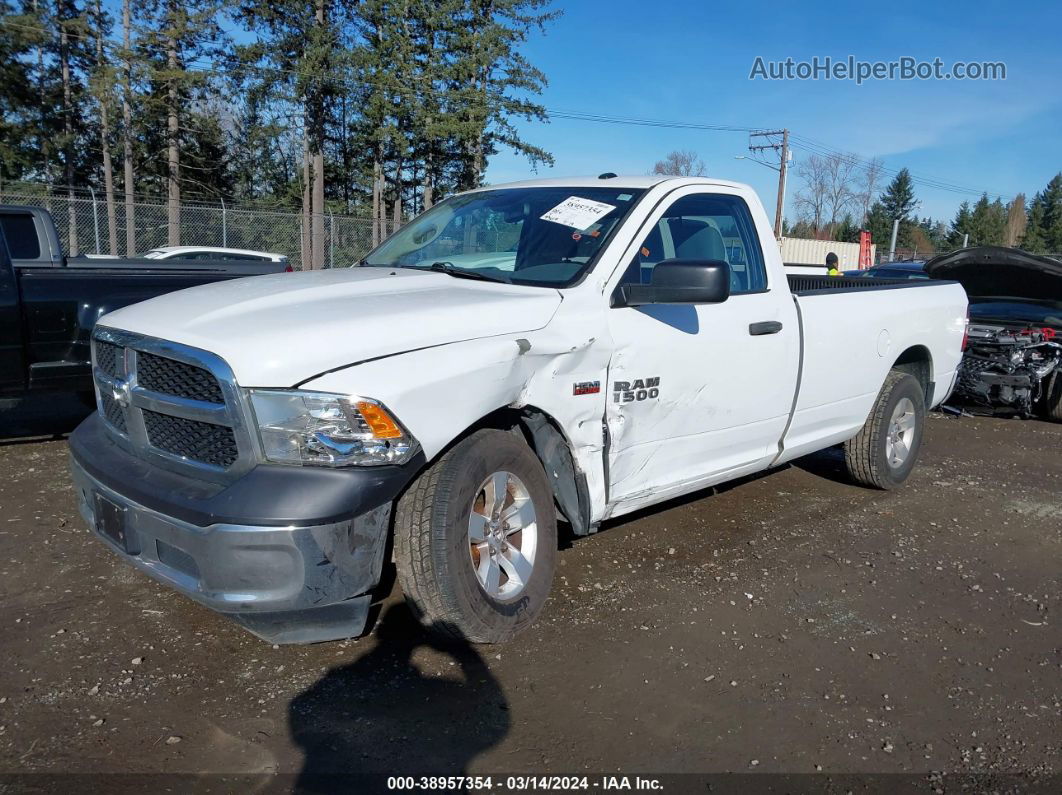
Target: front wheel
{"points": [[884, 452], [1053, 397], [476, 539]]}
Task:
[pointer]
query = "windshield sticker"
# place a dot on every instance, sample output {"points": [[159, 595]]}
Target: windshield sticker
{"points": [[578, 213]]}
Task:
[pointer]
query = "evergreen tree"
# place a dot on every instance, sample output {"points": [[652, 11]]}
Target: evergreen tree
{"points": [[489, 66], [17, 38], [179, 34], [898, 203], [1043, 233], [960, 227], [879, 224]]}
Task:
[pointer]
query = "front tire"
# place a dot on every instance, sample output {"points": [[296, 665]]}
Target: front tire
{"points": [[1053, 397], [884, 452], [476, 539]]}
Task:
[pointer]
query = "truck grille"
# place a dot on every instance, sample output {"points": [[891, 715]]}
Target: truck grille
{"points": [[108, 356], [200, 441], [112, 412], [171, 377], [174, 405]]}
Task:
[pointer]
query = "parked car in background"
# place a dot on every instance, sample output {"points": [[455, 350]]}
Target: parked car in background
{"points": [[893, 270], [49, 303], [566, 348], [1013, 362], [212, 253]]}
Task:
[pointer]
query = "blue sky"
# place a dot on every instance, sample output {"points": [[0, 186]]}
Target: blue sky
{"points": [[689, 60]]}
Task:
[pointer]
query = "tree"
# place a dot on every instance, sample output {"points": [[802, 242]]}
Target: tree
{"points": [[16, 97], [961, 227], [488, 68], [987, 222], [846, 231], [898, 202], [72, 54], [1043, 233], [1016, 220], [810, 201], [680, 163], [879, 225], [299, 62], [178, 33], [102, 86], [933, 233], [869, 184]]}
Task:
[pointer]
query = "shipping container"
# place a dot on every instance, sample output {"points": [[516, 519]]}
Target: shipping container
{"points": [[800, 251]]}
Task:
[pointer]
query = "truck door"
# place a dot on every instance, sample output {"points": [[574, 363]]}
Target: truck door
{"points": [[698, 394], [12, 369]]}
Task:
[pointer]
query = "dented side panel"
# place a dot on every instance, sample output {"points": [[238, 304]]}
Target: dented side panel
{"points": [[440, 392]]}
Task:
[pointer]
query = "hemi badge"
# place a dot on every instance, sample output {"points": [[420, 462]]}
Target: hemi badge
{"points": [[586, 388]]}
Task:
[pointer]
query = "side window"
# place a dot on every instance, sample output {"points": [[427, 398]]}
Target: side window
{"points": [[21, 234], [705, 226]]}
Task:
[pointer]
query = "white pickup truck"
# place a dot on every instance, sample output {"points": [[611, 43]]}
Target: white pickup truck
{"points": [[566, 349]]}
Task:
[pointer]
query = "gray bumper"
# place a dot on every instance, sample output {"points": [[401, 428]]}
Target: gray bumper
{"points": [[284, 584]]}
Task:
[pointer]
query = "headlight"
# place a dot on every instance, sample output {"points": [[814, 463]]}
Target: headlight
{"points": [[323, 429]]}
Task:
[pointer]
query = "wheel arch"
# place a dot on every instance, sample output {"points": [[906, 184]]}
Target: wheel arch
{"points": [[547, 440], [917, 361]]}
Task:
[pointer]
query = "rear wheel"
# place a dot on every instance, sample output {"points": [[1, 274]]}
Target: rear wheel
{"points": [[476, 539], [884, 452]]}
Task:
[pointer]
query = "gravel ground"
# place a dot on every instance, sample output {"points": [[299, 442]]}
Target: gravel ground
{"points": [[787, 623]]}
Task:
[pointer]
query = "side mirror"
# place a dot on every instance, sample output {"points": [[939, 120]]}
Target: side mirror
{"points": [[681, 281]]}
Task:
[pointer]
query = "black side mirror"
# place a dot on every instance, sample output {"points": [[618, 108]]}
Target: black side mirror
{"points": [[681, 281]]}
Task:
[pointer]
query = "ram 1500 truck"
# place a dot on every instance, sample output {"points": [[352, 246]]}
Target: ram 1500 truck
{"points": [[558, 349], [49, 302]]}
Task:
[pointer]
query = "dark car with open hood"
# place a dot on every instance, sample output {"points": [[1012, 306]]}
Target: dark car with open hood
{"points": [[1013, 358]]}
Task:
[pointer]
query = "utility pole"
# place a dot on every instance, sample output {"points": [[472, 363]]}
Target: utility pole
{"points": [[783, 167]]}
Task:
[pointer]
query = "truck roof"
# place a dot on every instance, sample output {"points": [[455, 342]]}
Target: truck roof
{"points": [[640, 181]]}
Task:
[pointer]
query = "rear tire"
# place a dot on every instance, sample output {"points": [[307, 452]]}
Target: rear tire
{"points": [[444, 573], [1053, 397], [884, 452]]}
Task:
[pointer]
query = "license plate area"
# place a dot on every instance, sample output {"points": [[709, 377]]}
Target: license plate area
{"points": [[111, 524]]}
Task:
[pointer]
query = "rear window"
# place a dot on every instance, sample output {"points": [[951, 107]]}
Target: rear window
{"points": [[21, 234]]}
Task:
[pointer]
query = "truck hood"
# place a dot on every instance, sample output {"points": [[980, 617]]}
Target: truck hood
{"points": [[997, 272], [283, 329]]}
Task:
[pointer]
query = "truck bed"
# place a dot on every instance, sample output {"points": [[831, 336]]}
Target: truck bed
{"points": [[807, 284], [852, 331]]}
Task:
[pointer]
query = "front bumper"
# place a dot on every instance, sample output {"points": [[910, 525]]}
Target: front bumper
{"points": [[288, 579]]}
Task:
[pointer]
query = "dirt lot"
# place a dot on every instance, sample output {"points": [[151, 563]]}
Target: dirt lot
{"points": [[791, 622]]}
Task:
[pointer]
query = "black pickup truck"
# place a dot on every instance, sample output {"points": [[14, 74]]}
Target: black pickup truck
{"points": [[49, 303]]}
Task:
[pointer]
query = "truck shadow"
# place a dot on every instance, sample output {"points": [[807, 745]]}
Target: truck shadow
{"points": [[413, 704], [45, 415]]}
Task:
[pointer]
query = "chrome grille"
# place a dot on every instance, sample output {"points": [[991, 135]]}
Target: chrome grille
{"points": [[108, 357], [176, 406], [112, 412], [171, 377], [201, 441]]}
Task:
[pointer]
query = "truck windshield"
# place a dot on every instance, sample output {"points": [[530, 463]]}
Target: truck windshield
{"points": [[546, 237]]}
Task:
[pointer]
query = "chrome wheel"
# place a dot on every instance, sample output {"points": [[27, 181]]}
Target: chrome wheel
{"points": [[901, 433], [502, 536]]}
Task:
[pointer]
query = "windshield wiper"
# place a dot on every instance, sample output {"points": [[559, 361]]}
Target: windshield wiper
{"points": [[460, 273]]}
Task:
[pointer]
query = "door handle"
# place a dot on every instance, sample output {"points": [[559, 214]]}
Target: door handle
{"points": [[764, 327]]}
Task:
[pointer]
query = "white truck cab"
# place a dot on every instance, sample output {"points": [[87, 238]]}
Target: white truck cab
{"points": [[569, 349]]}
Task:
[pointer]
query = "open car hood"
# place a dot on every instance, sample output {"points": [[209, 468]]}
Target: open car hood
{"points": [[997, 272]]}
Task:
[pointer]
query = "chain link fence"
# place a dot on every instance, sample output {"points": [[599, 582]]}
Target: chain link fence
{"points": [[84, 229]]}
